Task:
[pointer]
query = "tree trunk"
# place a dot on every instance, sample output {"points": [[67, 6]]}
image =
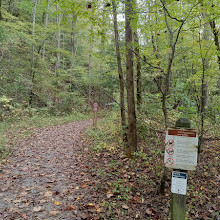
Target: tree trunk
{"points": [[45, 25], [10, 6], [204, 86], [73, 39], [58, 39], [138, 80], [132, 127], [216, 40], [120, 73], [168, 76], [90, 68], [1, 18], [32, 55]]}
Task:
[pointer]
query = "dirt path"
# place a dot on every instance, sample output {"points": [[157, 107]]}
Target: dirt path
{"points": [[46, 177]]}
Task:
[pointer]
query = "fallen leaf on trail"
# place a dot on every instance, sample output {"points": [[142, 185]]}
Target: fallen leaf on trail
{"points": [[54, 212], [99, 210], [48, 193], [149, 212], [109, 195], [125, 207], [17, 201], [69, 208], [77, 187], [23, 193], [56, 203], [90, 204], [78, 198], [37, 209], [83, 185], [57, 193]]}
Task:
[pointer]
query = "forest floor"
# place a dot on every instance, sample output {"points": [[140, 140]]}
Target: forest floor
{"points": [[55, 174]]}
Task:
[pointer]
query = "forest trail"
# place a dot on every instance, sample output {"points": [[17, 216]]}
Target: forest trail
{"points": [[45, 175]]}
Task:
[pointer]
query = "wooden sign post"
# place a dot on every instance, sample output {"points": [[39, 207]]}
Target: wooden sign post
{"points": [[181, 151], [95, 108]]}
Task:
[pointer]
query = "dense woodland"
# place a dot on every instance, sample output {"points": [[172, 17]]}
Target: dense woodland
{"points": [[146, 64]]}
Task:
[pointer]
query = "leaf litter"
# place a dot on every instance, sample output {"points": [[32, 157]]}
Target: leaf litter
{"points": [[56, 174]]}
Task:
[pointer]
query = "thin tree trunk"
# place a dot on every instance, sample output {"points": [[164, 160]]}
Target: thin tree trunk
{"points": [[32, 55], [45, 25], [1, 18], [138, 68], [168, 76], [132, 127], [216, 40], [90, 68], [73, 39], [10, 6], [204, 86], [58, 40], [120, 73]]}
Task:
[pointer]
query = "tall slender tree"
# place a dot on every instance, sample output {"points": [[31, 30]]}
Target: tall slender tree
{"points": [[1, 10], [32, 54], [58, 38], [45, 25], [132, 126], [120, 72]]}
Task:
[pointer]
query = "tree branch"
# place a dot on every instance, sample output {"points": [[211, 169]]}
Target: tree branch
{"points": [[150, 64]]}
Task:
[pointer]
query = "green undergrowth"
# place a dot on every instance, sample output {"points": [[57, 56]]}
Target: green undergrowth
{"points": [[125, 181], [107, 135], [13, 129]]}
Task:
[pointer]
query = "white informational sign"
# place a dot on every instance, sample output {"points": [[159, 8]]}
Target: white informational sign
{"points": [[181, 149], [179, 183]]}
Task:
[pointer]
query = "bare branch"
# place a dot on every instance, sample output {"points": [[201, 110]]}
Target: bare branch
{"points": [[150, 64], [165, 9]]}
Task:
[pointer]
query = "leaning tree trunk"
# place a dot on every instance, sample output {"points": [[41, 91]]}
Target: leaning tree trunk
{"points": [[120, 73], [132, 127]]}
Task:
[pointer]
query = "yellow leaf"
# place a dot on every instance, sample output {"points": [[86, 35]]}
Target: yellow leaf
{"points": [[78, 198], [91, 204], [99, 210], [77, 187], [56, 203]]}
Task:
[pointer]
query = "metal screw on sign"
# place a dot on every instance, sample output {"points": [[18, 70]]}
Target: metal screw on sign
{"points": [[178, 203]]}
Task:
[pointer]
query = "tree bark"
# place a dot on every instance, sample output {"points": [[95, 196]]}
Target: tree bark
{"points": [[73, 39], [138, 68], [45, 25], [204, 86], [216, 41], [132, 127], [120, 73], [168, 76], [32, 55], [1, 18], [58, 39], [90, 68]]}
